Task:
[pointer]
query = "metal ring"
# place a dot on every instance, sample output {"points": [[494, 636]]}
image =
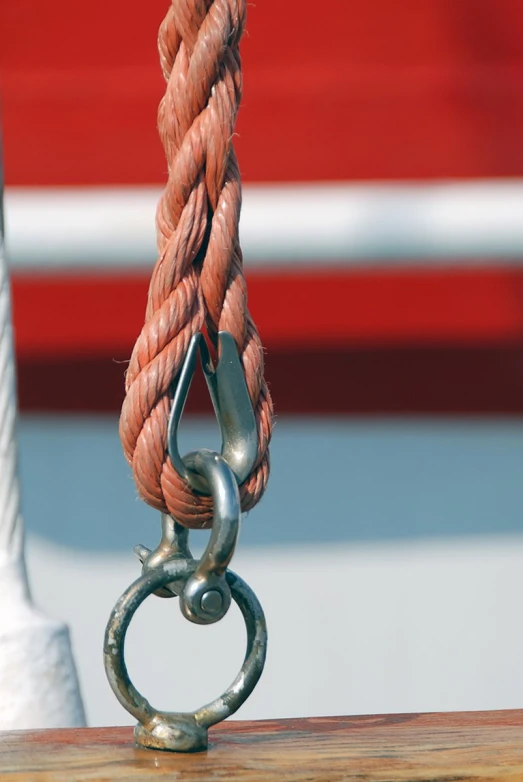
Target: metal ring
{"points": [[206, 598], [181, 732], [208, 581]]}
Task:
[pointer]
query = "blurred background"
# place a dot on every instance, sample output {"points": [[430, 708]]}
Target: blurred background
{"points": [[381, 146]]}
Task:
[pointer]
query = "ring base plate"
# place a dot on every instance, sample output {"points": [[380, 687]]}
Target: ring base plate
{"points": [[176, 733]]}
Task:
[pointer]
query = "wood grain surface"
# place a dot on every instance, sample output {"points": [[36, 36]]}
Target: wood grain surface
{"points": [[484, 746]]}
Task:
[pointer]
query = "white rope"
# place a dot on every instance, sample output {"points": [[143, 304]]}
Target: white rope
{"points": [[11, 522], [38, 682]]}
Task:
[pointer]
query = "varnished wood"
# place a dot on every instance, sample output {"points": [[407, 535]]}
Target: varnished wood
{"points": [[481, 746]]}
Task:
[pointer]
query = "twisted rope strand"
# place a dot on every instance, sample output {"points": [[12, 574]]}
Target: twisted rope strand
{"points": [[11, 521], [198, 280]]}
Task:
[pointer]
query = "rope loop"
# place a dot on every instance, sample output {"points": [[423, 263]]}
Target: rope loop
{"points": [[198, 281]]}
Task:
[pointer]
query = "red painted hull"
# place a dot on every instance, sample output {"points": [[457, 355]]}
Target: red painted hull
{"points": [[358, 90], [429, 342], [75, 315]]}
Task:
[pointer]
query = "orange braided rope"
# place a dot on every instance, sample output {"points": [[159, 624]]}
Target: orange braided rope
{"points": [[198, 280]]}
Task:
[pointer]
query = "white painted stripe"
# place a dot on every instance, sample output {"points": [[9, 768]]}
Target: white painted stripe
{"points": [[411, 627], [346, 223], [418, 561]]}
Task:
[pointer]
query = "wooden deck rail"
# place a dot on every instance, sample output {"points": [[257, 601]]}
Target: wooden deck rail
{"points": [[476, 746]]}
